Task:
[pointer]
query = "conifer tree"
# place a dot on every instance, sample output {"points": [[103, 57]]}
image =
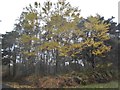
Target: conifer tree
{"points": [[95, 35]]}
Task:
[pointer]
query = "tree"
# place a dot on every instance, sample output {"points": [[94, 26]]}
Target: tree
{"points": [[8, 49], [61, 29], [29, 36], [95, 35]]}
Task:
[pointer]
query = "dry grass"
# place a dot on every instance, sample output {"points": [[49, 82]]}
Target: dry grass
{"points": [[63, 81]]}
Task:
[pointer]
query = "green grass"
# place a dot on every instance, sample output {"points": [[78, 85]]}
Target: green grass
{"points": [[112, 84]]}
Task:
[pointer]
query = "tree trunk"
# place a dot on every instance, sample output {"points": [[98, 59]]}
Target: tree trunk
{"points": [[92, 61], [57, 61], [14, 63], [9, 68], [14, 68]]}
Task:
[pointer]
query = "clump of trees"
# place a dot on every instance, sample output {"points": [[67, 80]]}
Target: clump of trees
{"points": [[55, 39]]}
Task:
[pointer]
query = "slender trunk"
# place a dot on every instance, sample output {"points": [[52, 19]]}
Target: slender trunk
{"points": [[9, 68], [14, 63], [14, 68], [93, 61], [57, 61], [9, 64], [92, 58]]}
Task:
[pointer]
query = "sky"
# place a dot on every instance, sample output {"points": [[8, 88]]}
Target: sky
{"points": [[10, 10]]}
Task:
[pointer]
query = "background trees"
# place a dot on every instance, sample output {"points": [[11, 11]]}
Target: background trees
{"points": [[54, 39]]}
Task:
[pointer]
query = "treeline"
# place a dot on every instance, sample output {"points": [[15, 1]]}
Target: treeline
{"points": [[53, 38]]}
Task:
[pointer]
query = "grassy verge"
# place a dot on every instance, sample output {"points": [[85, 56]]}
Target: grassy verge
{"points": [[112, 84]]}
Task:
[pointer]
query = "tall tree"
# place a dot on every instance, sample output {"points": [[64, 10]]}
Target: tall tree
{"points": [[94, 39], [61, 29], [8, 49]]}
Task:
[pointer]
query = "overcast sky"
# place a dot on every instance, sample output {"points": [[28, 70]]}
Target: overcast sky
{"points": [[11, 10]]}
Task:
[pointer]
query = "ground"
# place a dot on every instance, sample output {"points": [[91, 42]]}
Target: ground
{"points": [[55, 82]]}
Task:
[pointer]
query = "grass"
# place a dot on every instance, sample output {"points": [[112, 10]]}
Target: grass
{"points": [[52, 82], [112, 84]]}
